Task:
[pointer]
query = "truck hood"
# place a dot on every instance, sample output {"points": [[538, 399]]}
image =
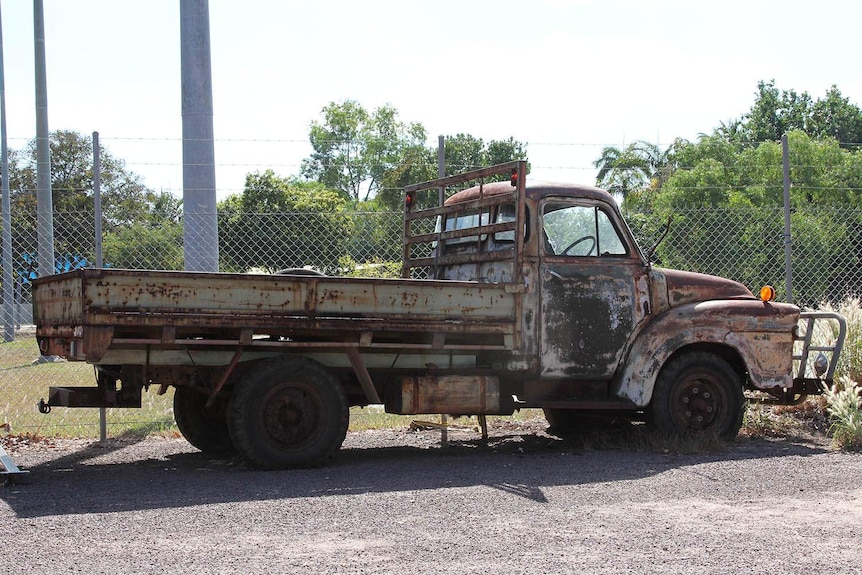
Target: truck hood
{"points": [[691, 287]]}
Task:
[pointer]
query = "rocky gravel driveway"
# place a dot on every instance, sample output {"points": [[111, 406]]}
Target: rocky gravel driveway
{"points": [[394, 501]]}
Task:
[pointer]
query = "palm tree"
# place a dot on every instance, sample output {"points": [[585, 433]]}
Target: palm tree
{"points": [[641, 165]]}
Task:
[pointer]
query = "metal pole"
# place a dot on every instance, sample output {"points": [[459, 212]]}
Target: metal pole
{"points": [[97, 198], [8, 294], [45, 214], [97, 226], [441, 173], [788, 266], [441, 166], [200, 225]]}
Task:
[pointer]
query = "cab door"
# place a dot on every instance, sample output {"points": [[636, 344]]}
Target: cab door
{"points": [[594, 290]]}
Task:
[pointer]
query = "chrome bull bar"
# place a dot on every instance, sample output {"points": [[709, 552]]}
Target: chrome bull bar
{"points": [[831, 333]]}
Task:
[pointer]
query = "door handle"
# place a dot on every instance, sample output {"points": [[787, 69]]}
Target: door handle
{"points": [[548, 273]]}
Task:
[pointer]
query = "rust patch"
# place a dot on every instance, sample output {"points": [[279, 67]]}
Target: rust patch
{"points": [[689, 287]]}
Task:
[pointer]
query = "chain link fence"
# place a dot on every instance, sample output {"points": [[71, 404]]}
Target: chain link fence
{"points": [[742, 244]]}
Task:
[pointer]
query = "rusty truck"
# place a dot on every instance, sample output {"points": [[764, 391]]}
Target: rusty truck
{"points": [[513, 295]]}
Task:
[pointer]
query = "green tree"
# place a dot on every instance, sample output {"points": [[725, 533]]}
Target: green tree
{"points": [[354, 148], [466, 152], [124, 196], [777, 112], [640, 166], [153, 241], [279, 223], [835, 117], [146, 245]]}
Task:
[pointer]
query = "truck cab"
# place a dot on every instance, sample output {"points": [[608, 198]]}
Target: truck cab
{"points": [[601, 328]]}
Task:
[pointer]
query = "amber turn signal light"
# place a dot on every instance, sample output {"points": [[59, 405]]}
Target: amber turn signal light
{"points": [[767, 293]]}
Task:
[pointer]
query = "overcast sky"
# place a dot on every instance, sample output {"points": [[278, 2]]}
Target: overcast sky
{"points": [[565, 76]]}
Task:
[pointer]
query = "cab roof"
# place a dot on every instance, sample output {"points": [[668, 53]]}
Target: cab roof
{"points": [[535, 190]]}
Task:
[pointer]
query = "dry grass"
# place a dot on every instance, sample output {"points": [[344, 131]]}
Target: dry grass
{"points": [[850, 362], [844, 406]]}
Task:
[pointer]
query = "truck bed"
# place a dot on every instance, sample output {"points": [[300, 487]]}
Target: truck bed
{"points": [[81, 314]]}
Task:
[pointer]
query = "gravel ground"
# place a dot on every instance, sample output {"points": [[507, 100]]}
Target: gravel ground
{"points": [[394, 501]]}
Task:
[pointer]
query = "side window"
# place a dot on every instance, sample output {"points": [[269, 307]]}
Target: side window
{"points": [[580, 231], [506, 213], [610, 243]]}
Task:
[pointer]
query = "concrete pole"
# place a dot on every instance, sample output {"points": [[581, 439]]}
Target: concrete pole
{"points": [[8, 294], [200, 227], [44, 202]]}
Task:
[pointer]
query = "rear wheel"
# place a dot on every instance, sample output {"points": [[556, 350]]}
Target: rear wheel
{"points": [[291, 412], [204, 428], [698, 394]]}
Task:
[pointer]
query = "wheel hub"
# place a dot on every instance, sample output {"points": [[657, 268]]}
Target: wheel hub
{"points": [[290, 415], [697, 404]]}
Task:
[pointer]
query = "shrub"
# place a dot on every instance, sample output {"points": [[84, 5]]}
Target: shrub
{"points": [[844, 406], [850, 362]]}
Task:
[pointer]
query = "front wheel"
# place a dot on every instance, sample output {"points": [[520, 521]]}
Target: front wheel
{"points": [[698, 394], [291, 412]]}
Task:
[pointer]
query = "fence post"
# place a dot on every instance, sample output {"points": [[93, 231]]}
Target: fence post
{"points": [[97, 215], [441, 173], [97, 198], [788, 266]]}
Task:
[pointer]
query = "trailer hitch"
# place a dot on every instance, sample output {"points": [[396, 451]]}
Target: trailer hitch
{"points": [[43, 407]]}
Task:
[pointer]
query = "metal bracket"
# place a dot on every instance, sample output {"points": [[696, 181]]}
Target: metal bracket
{"points": [[10, 470], [362, 375]]}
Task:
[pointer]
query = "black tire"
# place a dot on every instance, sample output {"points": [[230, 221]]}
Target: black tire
{"points": [[291, 412], [204, 428], [561, 421], [697, 394]]}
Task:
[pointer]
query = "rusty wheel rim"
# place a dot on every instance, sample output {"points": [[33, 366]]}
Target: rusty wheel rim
{"points": [[698, 403], [292, 414]]}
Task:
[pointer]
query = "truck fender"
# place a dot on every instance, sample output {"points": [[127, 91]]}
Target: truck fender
{"points": [[764, 347]]}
